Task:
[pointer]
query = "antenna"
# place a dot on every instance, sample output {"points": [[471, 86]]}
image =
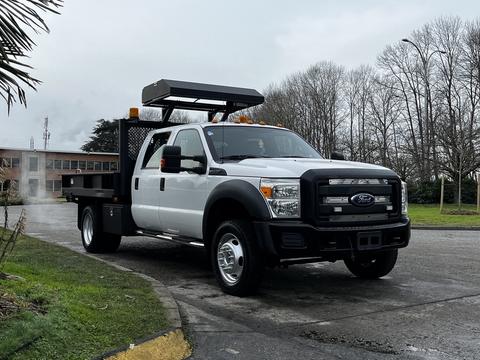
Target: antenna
{"points": [[32, 143], [46, 134]]}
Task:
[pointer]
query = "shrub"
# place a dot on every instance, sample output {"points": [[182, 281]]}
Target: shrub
{"points": [[429, 192]]}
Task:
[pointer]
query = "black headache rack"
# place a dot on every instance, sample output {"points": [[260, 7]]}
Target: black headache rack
{"points": [[167, 95], [173, 94]]}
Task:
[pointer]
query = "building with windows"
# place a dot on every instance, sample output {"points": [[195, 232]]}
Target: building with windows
{"points": [[37, 173]]}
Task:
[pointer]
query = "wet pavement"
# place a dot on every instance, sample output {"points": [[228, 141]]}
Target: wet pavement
{"points": [[427, 308]]}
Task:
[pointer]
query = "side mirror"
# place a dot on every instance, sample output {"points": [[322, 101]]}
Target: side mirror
{"points": [[336, 155], [171, 159]]}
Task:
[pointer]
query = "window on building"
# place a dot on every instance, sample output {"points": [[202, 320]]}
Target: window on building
{"points": [[6, 162], [82, 164], [33, 163], [66, 165], [4, 186], [13, 184], [106, 166], [49, 185], [74, 164], [58, 164], [98, 166], [15, 162], [89, 165], [10, 184], [49, 164], [114, 166], [57, 185]]}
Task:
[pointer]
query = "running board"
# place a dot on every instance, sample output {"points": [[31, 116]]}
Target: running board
{"points": [[172, 237], [302, 260]]}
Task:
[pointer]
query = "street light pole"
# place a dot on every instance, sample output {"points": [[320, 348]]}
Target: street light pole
{"points": [[425, 61]]}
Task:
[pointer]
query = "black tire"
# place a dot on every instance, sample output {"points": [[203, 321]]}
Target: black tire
{"points": [[372, 266], [94, 240], [251, 264]]}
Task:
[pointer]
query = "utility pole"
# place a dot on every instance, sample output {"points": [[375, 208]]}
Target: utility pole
{"points": [[46, 134]]}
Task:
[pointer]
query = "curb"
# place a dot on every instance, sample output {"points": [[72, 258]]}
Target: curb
{"points": [[170, 344], [427, 227]]}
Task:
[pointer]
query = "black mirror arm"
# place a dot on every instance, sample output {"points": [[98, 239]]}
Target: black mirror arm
{"points": [[199, 158]]}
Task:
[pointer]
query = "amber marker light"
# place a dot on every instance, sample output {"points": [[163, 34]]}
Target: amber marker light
{"points": [[133, 113], [266, 191]]}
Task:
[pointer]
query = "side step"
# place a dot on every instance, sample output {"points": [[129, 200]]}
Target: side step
{"points": [[172, 237]]}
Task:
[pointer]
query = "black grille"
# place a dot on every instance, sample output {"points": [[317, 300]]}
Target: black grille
{"points": [[334, 205]]}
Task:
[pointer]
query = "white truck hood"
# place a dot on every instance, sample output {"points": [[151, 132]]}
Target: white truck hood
{"points": [[288, 167]]}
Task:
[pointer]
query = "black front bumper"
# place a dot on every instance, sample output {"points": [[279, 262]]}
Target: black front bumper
{"points": [[296, 241]]}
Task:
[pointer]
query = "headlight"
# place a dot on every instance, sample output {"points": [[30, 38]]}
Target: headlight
{"points": [[404, 198], [282, 196]]}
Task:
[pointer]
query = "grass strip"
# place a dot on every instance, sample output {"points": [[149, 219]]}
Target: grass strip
{"points": [[430, 215], [87, 307]]}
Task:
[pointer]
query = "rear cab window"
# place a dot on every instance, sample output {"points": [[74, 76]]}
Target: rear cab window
{"points": [[153, 154]]}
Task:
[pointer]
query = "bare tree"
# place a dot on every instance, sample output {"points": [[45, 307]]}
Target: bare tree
{"points": [[416, 112], [409, 67], [358, 90], [384, 107]]}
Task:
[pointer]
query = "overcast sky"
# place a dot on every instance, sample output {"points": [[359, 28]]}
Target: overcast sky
{"points": [[100, 54]]}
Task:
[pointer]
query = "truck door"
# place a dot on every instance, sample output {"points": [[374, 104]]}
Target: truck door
{"points": [[146, 185], [185, 194]]}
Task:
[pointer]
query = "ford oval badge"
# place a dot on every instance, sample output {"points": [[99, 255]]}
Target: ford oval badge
{"points": [[362, 200]]}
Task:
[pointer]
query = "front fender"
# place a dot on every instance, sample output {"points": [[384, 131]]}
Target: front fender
{"points": [[242, 192]]}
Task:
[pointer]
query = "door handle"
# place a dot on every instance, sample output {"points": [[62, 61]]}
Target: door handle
{"points": [[136, 183], [162, 184]]}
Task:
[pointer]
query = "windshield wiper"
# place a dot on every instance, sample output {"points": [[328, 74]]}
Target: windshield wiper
{"points": [[295, 156], [242, 157]]}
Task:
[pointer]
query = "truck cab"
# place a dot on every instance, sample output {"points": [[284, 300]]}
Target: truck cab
{"points": [[252, 195]]}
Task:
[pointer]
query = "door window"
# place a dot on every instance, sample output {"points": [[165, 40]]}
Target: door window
{"points": [[191, 144], [32, 187], [153, 154]]}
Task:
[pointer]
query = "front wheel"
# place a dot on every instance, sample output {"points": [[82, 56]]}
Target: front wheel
{"points": [[236, 258], [93, 238], [372, 266]]}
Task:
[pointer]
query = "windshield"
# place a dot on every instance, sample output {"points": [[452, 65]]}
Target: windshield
{"points": [[243, 142]]}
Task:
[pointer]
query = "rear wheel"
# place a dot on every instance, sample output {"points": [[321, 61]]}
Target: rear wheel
{"points": [[236, 259], [372, 266], [93, 238]]}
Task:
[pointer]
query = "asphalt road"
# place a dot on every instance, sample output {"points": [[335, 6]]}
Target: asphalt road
{"points": [[427, 308]]}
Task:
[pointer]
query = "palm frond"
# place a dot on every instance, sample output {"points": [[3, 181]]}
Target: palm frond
{"points": [[17, 19]]}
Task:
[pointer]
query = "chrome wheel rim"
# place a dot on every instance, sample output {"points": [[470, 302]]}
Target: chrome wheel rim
{"points": [[230, 259], [87, 229]]}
